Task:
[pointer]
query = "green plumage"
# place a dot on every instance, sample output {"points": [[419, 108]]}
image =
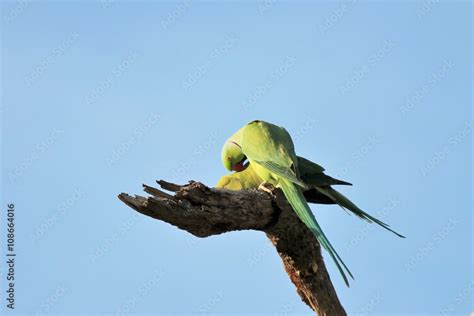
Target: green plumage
{"points": [[272, 159], [270, 150]]}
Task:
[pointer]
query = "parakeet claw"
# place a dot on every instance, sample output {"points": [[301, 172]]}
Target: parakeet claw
{"points": [[266, 187]]}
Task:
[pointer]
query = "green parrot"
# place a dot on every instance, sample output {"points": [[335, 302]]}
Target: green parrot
{"points": [[318, 188], [270, 151]]}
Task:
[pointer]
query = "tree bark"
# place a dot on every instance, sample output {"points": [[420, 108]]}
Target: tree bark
{"points": [[204, 211]]}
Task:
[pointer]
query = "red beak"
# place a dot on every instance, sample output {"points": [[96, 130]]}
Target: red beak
{"points": [[239, 167]]}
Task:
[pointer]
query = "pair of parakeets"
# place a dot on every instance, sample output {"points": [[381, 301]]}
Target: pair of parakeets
{"points": [[261, 153]]}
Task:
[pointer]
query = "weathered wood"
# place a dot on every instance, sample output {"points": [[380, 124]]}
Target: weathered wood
{"points": [[204, 212]]}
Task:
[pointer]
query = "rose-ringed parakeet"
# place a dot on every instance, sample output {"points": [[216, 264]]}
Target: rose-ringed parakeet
{"points": [[270, 151], [318, 187]]}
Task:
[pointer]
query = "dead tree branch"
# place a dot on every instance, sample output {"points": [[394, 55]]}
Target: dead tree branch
{"points": [[203, 212]]}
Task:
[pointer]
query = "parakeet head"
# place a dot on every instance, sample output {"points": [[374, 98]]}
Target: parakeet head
{"points": [[232, 156]]}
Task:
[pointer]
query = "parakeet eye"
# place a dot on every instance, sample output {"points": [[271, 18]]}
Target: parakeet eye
{"points": [[228, 158]]}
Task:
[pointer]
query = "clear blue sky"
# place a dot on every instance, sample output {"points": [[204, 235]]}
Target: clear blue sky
{"points": [[100, 97]]}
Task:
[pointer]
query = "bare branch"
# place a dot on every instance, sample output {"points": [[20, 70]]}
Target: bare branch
{"points": [[203, 212]]}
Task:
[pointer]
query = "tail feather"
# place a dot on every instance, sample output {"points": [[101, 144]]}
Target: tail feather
{"points": [[347, 204], [296, 198]]}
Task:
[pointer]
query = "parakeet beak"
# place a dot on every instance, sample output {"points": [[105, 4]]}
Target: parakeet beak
{"points": [[239, 167]]}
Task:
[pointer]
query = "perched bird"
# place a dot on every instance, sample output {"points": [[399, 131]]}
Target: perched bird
{"points": [[318, 187], [270, 151]]}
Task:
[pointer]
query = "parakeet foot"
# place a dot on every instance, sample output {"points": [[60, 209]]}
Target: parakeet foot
{"points": [[266, 187]]}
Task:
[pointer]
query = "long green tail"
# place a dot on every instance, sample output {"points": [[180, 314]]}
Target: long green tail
{"points": [[295, 197], [347, 204]]}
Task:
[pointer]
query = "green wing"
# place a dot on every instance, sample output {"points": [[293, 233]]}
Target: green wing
{"points": [[281, 171], [271, 147]]}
